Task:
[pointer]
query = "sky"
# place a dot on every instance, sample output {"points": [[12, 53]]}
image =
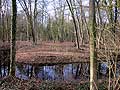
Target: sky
{"points": [[50, 9], [50, 5]]}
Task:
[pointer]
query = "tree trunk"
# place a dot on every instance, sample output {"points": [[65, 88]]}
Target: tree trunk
{"points": [[0, 15], [74, 21], [115, 15], [3, 28], [93, 55], [35, 19], [13, 39], [32, 29], [0, 29], [28, 12]]}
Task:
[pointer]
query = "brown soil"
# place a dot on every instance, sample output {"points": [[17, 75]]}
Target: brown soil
{"points": [[49, 52]]}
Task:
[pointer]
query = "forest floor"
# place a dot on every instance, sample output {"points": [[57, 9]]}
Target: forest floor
{"points": [[46, 53], [13, 83], [51, 53]]}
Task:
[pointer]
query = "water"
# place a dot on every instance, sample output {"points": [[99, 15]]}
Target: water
{"points": [[56, 72], [104, 67]]}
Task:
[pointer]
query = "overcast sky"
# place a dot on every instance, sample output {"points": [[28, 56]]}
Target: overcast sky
{"points": [[50, 5]]}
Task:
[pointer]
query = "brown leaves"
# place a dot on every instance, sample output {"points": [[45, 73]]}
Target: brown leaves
{"points": [[48, 52]]}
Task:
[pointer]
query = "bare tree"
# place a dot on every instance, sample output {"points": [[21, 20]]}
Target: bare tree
{"points": [[0, 29], [74, 21], [28, 11], [93, 53], [13, 38]]}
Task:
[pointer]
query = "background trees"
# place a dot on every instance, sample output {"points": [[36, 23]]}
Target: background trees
{"points": [[57, 20], [67, 20]]}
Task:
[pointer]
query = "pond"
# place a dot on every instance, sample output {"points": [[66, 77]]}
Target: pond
{"points": [[55, 72]]}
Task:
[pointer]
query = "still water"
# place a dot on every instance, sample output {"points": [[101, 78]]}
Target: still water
{"points": [[56, 72]]}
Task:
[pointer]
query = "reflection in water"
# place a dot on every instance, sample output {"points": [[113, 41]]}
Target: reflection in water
{"points": [[103, 68], [22, 71], [56, 72], [4, 71]]}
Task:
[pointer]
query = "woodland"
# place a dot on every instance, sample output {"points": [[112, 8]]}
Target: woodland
{"points": [[59, 44]]}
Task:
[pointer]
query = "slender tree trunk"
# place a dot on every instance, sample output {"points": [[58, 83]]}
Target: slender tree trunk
{"points": [[0, 68], [62, 24], [7, 22], [93, 55], [3, 28], [35, 20], [0, 29], [31, 22], [13, 38], [80, 30], [28, 12], [115, 15], [111, 15], [0, 14], [74, 21], [32, 29], [27, 30]]}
